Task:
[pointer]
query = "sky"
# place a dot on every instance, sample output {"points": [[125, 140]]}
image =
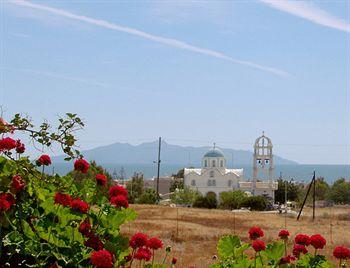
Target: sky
{"points": [[192, 72]]}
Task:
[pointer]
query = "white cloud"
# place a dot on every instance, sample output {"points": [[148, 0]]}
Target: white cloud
{"points": [[309, 12], [156, 38]]}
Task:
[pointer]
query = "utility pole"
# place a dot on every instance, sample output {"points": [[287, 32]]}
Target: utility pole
{"points": [[158, 165], [313, 183], [314, 197]]}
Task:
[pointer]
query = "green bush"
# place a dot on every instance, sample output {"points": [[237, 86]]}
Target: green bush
{"points": [[208, 201], [258, 203], [149, 196], [232, 199], [185, 196]]}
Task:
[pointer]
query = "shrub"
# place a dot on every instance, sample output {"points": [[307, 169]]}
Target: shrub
{"points": [[185, 196], [232, 199], [258, 203], [149, 196], [208, 201]]}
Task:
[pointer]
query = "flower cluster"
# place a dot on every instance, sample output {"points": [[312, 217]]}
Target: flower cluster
{"points": [[101, 179], [79, 205], [7, 144], [18, 183], [303, 240], [44, 160], [118, 196], [255, 232], [81, 165], [102, 259], [341, 253], [6, 201]]}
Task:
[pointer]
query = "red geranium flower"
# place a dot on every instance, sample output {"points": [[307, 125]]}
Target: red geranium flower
{"points": [[85, 227], [255, 232], [102, 259], [81, 165], [143, 254], [318, 241], [117, 190], [154, 243], [18, 183], [283, 234], [63, 199], [79, 205], [138, 240], [20, 148], [302, 239], [119, 201], [174, 261], [101, 179], [258, 245], [341, 252], [94, 242], [7, 144], [44, 160], [6, 201], [287, 259], [298, 248]]}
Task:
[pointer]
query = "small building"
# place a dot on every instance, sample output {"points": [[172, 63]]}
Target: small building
{"points": [[164, 184]]}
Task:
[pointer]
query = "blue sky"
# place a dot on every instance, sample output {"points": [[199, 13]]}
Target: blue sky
{"points": [[192, 72]]}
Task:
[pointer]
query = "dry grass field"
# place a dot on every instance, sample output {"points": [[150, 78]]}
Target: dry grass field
{"points": [[193, 233]]}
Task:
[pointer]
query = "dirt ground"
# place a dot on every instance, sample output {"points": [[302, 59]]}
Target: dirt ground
{"points": [[193, 233]]}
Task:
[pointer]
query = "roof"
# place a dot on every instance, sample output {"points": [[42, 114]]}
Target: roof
{"points": [[214, 153], [198, 171]]}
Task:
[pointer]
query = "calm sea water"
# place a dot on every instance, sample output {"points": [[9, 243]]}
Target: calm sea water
{"points": [[301, 173]]}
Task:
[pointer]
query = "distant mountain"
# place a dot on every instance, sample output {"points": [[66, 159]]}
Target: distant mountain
{"points": [[146, 153]]}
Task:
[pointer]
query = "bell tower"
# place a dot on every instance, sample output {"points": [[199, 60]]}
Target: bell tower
{"points": [[263, 160]]}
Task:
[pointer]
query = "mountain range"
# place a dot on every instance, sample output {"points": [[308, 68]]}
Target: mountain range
{"points": [[146, 153]]}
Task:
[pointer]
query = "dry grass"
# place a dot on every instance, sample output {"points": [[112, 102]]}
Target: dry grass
{"points": [[194, 233]]}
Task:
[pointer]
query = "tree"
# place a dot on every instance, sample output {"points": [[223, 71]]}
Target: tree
{"points": [[322, 189], [208, 201], [293, 191], [135, 187], [255, 202], [185, 196], [232, 199], [340, 192], [149, 196]]}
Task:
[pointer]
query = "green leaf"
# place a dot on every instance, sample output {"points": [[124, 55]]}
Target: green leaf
{"points": [[227, 245]]}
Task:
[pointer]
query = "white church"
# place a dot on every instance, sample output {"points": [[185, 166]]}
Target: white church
{"points": [[214, 177]]}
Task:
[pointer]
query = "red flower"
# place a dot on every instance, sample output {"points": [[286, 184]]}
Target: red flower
{"points": [[54, 265], [298, 248], [7, 144], [20, 148], [85, 227], [138, 240], [154, 243], [302, 239], [258, 245], [101, 179], [81, 165], [44, 160], [117, 190], [119, 201], [341, 252], [79, 205], [255, 232], [283, 234], [174, 261], [143, 254], [94, 242], [102, 259], [6, 201], [63, 199], [18, 183], [287, 259], [318, 241]]}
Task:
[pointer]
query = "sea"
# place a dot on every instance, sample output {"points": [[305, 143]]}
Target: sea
{"points": [[300, 173]]}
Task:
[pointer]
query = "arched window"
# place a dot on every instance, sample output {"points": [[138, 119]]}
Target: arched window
{"points": [[209, 183], [193, 183], [211, 174], [221, 163], [230, 183], [213, 163], [213, 182], [205, 163]]}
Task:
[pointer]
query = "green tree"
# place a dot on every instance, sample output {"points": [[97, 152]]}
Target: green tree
{"points": [[340, 192], [135, 187], [232, 199], [293, 191], [255, 203], [185, 196], [149, 196], [208, 201], [322, 189]]}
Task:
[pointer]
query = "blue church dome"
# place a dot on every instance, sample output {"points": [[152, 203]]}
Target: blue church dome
{"points": [[214, 153]]}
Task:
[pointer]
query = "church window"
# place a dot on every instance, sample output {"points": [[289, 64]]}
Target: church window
{"points": [[230, 183], [213, 163], [211, 174], [205, 163], [193, 183], [221, 163], [209, 183], [213, 182]]}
